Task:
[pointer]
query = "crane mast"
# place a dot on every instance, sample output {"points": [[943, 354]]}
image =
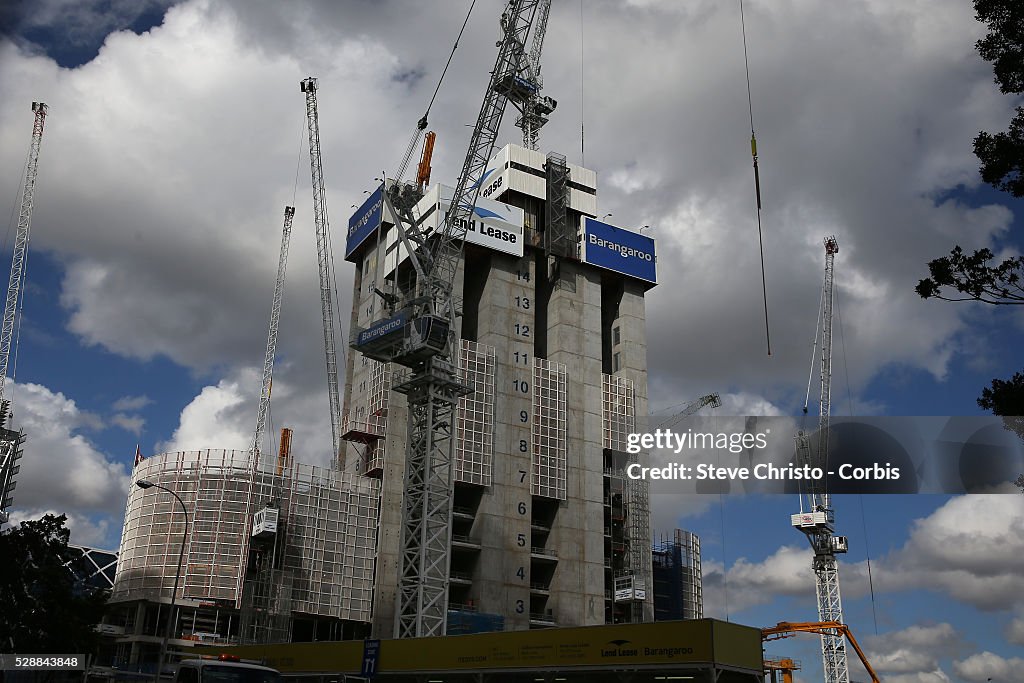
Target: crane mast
{"points": [[21, 242], [534, 108], [309, 87], [420, 335], [9, 450], [817, 522], [275, 319]]}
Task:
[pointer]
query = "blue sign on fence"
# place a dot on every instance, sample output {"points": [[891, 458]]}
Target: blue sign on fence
{"points": [[620, 250], [371, 653]]}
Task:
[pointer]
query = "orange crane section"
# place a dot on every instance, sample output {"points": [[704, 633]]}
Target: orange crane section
{"points": [[423, 170], [284, 451], [785, 629]]}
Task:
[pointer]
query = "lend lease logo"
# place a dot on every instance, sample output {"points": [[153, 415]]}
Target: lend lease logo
{"points": [[620, 250]]}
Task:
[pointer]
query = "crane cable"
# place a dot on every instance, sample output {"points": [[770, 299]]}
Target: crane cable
{"points": [[757, 181], [422, 123]]}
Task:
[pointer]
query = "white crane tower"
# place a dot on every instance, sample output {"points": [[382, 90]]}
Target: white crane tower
{"points": [[275, 320], [9, 452], [816, 518], [309, 87], [419, 334]]}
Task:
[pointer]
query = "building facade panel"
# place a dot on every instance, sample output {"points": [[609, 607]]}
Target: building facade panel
{"points": [[329, 523]]}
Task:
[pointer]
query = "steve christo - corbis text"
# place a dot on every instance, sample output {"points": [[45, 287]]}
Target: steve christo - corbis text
{"points": [[765, 471], [736, 442]]}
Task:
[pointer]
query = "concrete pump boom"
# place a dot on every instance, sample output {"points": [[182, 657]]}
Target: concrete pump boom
{"points": [[785, 629]]}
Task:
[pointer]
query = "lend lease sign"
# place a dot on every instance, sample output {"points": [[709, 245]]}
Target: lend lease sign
{"points": [[620, 250]]}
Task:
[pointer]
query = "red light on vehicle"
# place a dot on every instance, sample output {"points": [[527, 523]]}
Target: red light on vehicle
{"points": [[229, 658]]}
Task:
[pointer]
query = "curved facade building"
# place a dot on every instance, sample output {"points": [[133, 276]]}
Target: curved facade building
{"points": [[320, 561]]}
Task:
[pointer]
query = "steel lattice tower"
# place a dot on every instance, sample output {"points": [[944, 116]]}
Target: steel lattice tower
{"points": [[9, 455], [818, 521], [323, 228], [275, 320]]}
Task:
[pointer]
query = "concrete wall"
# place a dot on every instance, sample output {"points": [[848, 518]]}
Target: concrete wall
{"points": [[574, 339]]}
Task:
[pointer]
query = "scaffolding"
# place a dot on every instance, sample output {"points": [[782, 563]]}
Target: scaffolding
{"points": [[474, 443], [678, 592], [326, 567], [631, 558], [550, 429]]}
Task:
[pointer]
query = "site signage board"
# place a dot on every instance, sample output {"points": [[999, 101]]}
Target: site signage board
{"points": [[668, 646], [494, 225], [623, 251], [365, 221], [371, 655], [382, 328]]}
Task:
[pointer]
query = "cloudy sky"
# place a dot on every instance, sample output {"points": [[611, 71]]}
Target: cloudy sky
{"points": [[176, 137]]}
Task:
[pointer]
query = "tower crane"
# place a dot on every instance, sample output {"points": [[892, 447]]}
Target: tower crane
{"points": [[817, 519], [419, 335], [9, 451], [534, 108], [320, 219], [275, 319], [708, 400]]}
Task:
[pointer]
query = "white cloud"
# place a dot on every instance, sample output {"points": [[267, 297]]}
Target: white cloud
{"points": [[1015, 631], [94, 533], [214, 419], [988, 666], [131, 403], [914, 650], [60, 466], [842, 151], [129, 423], [969, 549], [934, 676], [224, 416], [787, 571]]}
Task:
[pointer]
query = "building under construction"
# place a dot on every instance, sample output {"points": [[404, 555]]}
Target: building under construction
{"points": [[545, 528], [677, 576], [499, 366], [235, 585]]}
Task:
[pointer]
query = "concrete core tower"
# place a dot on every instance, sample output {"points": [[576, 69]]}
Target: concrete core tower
{"points": [[546, 530]]}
